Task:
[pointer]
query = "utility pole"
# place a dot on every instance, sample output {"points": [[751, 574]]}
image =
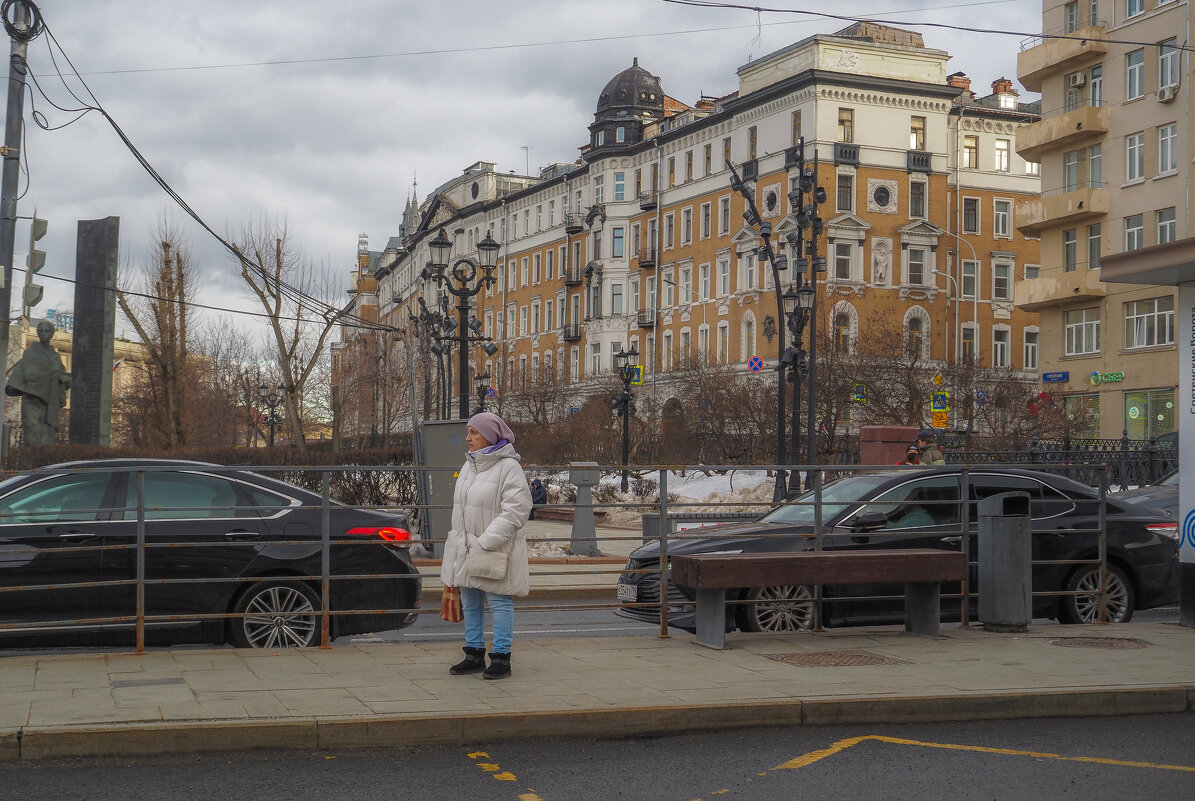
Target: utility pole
{"points": [[21, 32]]}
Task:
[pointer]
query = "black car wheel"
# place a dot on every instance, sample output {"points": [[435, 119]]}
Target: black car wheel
{"points": [[778, 609], [1085, 607], [278, 615]]}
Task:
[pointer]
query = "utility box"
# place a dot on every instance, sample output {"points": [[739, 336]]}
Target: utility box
{"points": [[586, 476], [1005, 562], [443, 454]]}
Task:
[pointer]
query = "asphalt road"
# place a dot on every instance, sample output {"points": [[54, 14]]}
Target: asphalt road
{"points": [[1147, 757]]}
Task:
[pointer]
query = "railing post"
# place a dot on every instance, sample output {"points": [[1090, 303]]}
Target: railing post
{"points": [[1103, 522], [965, 499], [664, 528], [325, 558], [140, 479], [817, 544]]}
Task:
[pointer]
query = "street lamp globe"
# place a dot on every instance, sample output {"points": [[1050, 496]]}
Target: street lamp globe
{"points": [[805, 296], [440, 246], [488, 249], [790, 298]]}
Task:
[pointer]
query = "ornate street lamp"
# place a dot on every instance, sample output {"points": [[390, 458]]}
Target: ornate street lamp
{"points": [[463, 282], [481, 385], [272, 400], [625, 361]]}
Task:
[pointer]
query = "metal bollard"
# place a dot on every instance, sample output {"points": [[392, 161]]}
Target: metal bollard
{"points": [[1005, 562]]}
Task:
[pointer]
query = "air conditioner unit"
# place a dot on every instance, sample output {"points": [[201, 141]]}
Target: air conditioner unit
{"points": [[1167, 94], [1076, 80]]}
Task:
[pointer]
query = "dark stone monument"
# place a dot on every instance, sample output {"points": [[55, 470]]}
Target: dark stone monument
{"points": [[41, 381], [95, 325]]}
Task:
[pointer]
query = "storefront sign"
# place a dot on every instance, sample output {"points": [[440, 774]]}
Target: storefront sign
{"points": [[1098, 378], [1060, 377]]}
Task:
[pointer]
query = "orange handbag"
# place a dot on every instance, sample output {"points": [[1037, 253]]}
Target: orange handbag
{"points": [[450, 605]]}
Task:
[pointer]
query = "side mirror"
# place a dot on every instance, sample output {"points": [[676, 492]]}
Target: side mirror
{"points": [[869, 522]]}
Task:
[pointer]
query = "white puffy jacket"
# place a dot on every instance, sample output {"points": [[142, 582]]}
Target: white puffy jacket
{"points": [[491, 502]]}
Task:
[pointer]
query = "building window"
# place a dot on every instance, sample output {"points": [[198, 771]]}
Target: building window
{"points": [[917, 133], [1149, 413], [1032, 271], [915, 338], [1165, 226], [535, 318], [1168, 63], [845, 197], [618, 247], [1094, 239], [970, 154], [1002, 218], [1032, 168], [599, 190], [688, 165], [1070, 249], [523, 321], [1148, 323], [1135, 156], [669, 230], [1134, 7], [666, 342], [1030, 350], [1003, 148], [846, 125], [1070, 171], [669, 287], [726, 152], [616, 297], [917, 199], [620, 186], [723, 343], [1167, 148], [1002, 281], [1135, 74], [748, 272], [686, 285], [969, 342], [796, 128], [1095, 166], [970, 215], [551, 213], [1095, 83], [970, 279], [704, 281], [1082, 331], [916, 266], [536, 268], [752, 142], [723, 277], [842, 333], [708, 160], [672, 171], [686, 226], [843, 252], [1001, 347], [723, 216], [1134, 232], [706, 214]]}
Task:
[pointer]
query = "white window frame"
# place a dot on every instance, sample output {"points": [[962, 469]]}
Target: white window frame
{"points": [[1134, 162], [1002, 220], [1082, 331]]}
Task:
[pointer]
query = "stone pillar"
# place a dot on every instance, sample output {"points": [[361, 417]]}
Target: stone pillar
{"points": [[885, 445], [96, 255]]}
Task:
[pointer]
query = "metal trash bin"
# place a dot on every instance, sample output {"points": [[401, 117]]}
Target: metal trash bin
{"points": [[1005, 562]]}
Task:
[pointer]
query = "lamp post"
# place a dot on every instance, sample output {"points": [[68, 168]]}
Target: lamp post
{"points": [[435, 325], [481, 385], [272, 400], [468, 283], [957, 331], [798, 301], [625, 361]]}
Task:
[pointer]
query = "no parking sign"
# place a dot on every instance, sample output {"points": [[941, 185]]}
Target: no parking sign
{"points": [[755, 364]]}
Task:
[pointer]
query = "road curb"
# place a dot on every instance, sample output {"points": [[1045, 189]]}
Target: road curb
{"points": [[142, 739]]}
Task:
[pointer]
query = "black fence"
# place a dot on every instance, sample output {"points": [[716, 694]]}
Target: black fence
{"points": [[1129, 462]]}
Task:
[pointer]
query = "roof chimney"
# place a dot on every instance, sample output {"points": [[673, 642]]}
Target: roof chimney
{"points": [[1003, 86], [959, 80]]}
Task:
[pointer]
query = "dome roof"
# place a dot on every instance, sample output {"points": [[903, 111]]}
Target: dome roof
{"points": [[631, 92]]}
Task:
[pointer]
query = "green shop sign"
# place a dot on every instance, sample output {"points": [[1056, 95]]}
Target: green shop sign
{"points": [[1098, 378]]}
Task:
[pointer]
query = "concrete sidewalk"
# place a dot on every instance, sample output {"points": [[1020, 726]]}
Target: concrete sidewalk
{"points": [[371, 695], [182, 700]]}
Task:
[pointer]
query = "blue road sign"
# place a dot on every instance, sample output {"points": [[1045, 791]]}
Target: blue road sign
{"points": [[939, 402], [755, 364]]}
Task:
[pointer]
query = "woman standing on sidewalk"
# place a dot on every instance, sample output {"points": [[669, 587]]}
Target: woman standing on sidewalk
{"points": [[489, 510]]}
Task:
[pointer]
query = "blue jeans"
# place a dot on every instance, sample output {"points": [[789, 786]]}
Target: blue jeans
{"points": [[502, 610]]}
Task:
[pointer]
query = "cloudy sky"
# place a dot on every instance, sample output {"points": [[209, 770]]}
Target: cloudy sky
{"points": [[323, 114]]}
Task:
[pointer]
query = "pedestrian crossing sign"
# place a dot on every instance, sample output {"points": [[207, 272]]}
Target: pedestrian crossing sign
{"points": [[860, 393], [939, 402], [636, 374]]}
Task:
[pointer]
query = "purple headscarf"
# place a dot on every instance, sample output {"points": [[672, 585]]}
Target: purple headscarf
{"points": [[492, 427]]}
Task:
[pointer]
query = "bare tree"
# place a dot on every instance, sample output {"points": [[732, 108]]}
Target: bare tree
{"points": [[297, 302], [160, 315]]}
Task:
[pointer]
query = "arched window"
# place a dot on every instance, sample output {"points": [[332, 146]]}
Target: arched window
{"points": [[917, 333], [748, 336], [845, 330]]}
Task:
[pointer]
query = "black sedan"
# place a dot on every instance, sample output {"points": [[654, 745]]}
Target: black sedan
{"points": [[218, 542], [921, 509], [1162, 494]]}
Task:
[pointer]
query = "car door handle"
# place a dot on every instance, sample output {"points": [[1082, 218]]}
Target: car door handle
{"points": [[952, 540], [241, 535], [862, 539], [76, 535]]}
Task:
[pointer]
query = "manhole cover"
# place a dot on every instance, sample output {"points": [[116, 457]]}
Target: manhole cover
{"points": [[836, 659], [1101, 642]]}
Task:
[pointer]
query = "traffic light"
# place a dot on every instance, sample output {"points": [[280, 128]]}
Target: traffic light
{"points": [[33, 264]]}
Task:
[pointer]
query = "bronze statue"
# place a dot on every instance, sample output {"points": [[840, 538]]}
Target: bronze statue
{"points": [[41, 381]]}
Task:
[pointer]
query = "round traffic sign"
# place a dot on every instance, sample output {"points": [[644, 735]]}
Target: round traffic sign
{"points": [[755, 364]]}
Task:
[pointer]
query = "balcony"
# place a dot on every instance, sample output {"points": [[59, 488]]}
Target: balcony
{"points": [[749, 170], [846, 153], [1056, 287], [1040, 57], [1061, 207], [646, 258], [916, 160], [570, 332], [574, 223], [1065, 128], [646, 318], [572, 276], [648, 201]]}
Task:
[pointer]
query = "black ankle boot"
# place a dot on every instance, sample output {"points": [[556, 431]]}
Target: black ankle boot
{"points": [[473, 662], [499, 666]]}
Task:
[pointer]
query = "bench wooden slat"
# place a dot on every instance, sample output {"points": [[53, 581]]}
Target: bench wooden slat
{"points": [[730, 571]]}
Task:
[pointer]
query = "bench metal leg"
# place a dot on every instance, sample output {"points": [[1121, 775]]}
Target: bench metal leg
{"points": [[711, 618], [923, 608]]}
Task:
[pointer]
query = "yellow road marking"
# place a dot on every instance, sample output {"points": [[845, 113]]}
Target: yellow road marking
{"points": [[842, 745]]}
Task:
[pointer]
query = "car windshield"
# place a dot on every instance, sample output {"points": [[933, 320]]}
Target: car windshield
{"points": [[836, 496]]}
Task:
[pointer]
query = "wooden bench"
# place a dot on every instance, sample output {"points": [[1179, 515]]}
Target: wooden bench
{"points": [[920, 569], [599, 515]]}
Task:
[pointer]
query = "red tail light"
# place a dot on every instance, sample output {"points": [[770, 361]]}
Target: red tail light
{"points": [[1164, 529], [388, 533]]}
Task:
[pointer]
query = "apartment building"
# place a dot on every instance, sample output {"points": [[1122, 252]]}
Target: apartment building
{"points": [[1115, 154], [641, 243]]}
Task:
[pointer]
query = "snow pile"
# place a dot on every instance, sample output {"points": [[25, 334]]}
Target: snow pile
{"points": [[737, 491]]}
